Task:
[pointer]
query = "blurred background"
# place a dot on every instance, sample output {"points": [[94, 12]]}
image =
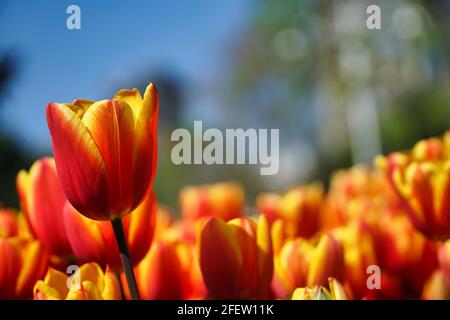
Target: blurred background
{"points": [[338, 92]]}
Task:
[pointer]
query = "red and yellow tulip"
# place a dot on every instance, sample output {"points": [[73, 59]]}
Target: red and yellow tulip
{"points": [[89, 282], [236, 258], [106, 151], [300, 209], [22, 260], [303, 262], [422, 179], [221, 200]]}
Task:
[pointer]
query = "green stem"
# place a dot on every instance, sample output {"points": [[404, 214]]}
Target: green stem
{"points": [[125, 257]]}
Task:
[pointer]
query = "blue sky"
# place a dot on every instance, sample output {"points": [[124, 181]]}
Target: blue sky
{"points": [[117, 39]]}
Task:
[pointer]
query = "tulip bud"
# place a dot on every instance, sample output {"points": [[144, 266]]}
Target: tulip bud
{"points": [[106, 151]]}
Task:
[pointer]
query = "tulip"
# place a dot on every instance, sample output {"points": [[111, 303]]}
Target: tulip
{"points": [[221, 200], [88, 283], [105, 154], [93, 240], [42, 201], [169, 272], [22, 260], [308, 263], [422, 180], [300, 209], [336, 292], [106, 151], [236, 258]]}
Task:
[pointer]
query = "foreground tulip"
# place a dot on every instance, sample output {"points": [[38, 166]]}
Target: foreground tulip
{"points": [[422, 179], [22, 260], [106, 151], [93, 240], [335, 292], [236, 258], [224, 200], [303, 263], [42, 201], [105, 154], [88, 283]]}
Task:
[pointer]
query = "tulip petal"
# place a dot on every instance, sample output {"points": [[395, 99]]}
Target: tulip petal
{"points": [[111, 289], [92, 273], [146, 148], [220, 258], [79, 163], [141, 226], [84, 236], [111, 125], [46, 204], [133, 98], [35, 263]]}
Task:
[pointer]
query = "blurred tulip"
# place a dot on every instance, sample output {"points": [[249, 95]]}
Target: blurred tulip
{"points": [[94, 240], [335, 292], [236, 258], [300, 209], [42, 201], [436, 288], [106, 151], [405, 252], [94, 284], [269, 205], [224, 200], [421, 178], [303, 263], [169, 271], [356, 192], [22, 260]]}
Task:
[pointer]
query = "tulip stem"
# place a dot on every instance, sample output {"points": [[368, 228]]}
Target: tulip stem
{"points": [[125, 257]]}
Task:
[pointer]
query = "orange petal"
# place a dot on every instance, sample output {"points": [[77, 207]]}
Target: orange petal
{"points": [[111, 289], [146, 148], [80, 166], [326, 261], [46, 200], [111, 125], [35, 264], [84, 236], [141, 226], [220, 258], [161, 275], [10, 265]]}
